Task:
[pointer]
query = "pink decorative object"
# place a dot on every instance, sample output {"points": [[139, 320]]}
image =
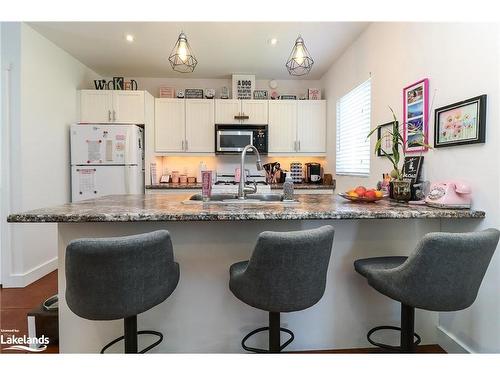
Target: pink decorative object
{"points": [[416, 116], [206, 184], [167, 92], [314, 94]]}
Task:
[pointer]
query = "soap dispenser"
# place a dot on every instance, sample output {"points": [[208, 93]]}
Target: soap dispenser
{"points": [[288, 188]]}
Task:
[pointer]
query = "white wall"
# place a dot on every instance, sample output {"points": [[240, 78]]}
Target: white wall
{"points": [[288, 86], [461, 61], [43, 105]]}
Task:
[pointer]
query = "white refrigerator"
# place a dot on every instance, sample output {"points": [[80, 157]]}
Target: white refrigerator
{"points": [[106, 160]]}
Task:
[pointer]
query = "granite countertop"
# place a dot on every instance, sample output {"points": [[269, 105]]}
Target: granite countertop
{"points": [[301, 186], [131, 208]]}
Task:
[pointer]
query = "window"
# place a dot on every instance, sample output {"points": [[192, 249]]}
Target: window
{"points": [[353, 125]]}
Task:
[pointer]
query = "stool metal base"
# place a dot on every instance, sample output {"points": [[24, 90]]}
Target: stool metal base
{"points": [[407, 343], [274, 336], [130, 337], [390, 347]]}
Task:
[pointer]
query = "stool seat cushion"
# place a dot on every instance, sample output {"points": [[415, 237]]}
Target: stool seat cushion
{"points": [[443, 273], [287, 270], [368, 266], [118, 277]]}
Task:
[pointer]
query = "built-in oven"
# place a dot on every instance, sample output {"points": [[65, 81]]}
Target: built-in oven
{"points": [[232, 138]]}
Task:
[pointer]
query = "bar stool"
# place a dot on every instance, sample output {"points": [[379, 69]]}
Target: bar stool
{"points": [[443, 273], [119, 278], [286, 272]]}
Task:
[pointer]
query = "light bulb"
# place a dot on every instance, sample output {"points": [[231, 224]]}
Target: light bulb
{"points": [[299, 54], [182, 50]]}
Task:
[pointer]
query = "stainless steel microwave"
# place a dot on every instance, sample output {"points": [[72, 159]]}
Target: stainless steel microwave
{"points": [[232, 138]]}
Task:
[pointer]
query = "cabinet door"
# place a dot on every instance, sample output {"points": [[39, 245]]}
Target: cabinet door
{"points": [[169, 125], [200, 128], [128, 107], [225, 110], [96, 106], [311, 126], [282, 125], [256, 110]]}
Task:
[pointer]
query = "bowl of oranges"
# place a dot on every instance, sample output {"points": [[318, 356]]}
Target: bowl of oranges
{"points": [[362, 194]]}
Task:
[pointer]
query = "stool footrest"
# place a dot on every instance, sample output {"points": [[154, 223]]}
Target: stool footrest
{"points": [[258, 350], [148, 348], [385, 346]]}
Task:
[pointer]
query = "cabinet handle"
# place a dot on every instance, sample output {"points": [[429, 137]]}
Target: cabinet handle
{"points": [[294, 145], [299, 145], [186, 143], [182, 145], [114, 115], [109, 115]]}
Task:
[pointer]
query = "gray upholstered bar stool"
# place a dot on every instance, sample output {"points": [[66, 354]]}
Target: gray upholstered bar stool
{"points": [[119, 278], [287, 272], [443, 273]]}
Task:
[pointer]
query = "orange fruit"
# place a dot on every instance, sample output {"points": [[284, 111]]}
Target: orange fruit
{"points": [[352, 194], [379, 193]]}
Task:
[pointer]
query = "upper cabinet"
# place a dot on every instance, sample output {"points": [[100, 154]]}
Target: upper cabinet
{"points": [[234, 111], [297, 126], [184, 126], [112, 106], [311, 126]]}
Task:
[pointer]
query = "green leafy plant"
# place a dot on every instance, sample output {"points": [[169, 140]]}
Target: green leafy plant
{"points": [[397, 144]]}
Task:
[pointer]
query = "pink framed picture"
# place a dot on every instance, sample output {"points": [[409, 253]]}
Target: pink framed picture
{"points": [[416, 116]]}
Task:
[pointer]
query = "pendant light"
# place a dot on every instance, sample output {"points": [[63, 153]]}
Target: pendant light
{"points": [[181, 58], [300, 61]]}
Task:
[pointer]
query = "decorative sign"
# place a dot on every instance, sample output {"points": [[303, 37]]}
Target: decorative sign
{"points": [[288, 97], [167, 92], [243, 86], [117, 83], [193, 93], [412, 167], [314, 94], [260, 94]]}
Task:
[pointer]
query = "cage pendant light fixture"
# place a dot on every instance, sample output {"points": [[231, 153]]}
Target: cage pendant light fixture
{"points": [[181, 58], [300, 61]]}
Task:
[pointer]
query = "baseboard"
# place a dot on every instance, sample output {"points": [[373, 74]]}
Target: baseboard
{"points": [[20, 280], [449, 342]]}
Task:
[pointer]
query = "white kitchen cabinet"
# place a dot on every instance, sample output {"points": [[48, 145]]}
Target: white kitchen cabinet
{"points": [[96, 106], [226, 109], [254, 112], [282, 129], [297, 126], [184, 126], [112, 106], [170, 125], [200, 125], [311, 126]]}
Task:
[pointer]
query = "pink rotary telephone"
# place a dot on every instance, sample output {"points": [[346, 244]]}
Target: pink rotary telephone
{"points": [[449, 194]]}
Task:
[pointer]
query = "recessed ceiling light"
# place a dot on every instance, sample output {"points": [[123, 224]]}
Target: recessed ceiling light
{"points": [[273, 41], [129, 38]]}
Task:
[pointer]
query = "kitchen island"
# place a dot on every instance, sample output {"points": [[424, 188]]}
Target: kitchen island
{"points": [[202, 315]]}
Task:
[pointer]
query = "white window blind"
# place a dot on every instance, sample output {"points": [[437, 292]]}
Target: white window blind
{"points": [[353, 125]]}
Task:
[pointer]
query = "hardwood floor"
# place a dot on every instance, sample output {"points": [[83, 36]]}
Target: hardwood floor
{"points": [[16, 302]]}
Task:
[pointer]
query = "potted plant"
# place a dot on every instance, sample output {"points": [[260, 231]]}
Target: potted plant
{"points": [[400, 189]]}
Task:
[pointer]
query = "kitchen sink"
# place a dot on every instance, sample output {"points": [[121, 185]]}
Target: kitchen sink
{"points": [[233, 199]]}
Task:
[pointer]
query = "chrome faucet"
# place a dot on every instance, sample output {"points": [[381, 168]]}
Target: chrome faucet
{"points": [[242, 189]]}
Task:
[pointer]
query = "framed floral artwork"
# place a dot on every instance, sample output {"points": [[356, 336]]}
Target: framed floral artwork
{"points": [[416, 116], [384, 133], [461, 123]]}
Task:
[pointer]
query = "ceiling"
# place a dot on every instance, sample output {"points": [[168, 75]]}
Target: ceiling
{"points": [[222, 48]]}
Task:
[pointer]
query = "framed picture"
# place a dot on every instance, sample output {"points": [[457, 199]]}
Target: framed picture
{"points": [[384, 133], [461, 123], [412, 167], [416, 116], [193, 93], [118, 83]]}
